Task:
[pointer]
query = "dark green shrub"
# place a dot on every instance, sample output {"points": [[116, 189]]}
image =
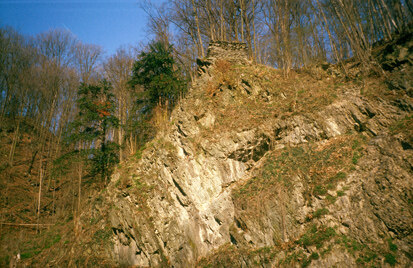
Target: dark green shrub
{"points": [[320, 212], [392, 247], [340, 193], [317, 236], [390, 259], [320, 190]]}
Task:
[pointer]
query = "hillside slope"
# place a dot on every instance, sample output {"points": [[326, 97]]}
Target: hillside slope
{"points": [[256, 169]]}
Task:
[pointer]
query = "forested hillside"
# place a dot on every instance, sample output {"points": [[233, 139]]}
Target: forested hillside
{"points": [[231, 102]]}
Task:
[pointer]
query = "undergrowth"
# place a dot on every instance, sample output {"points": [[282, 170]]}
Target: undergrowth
{"points": [[29, 245]]}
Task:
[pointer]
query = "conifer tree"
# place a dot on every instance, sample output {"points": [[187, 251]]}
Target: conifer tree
{"points": [[91, 129], [156, 72]]}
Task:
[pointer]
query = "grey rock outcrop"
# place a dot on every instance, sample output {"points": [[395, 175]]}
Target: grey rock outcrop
{"points": [[190, 174], [234, 52]]}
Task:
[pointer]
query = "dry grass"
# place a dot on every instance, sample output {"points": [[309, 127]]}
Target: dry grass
{"points": [[160, 117], [224, 75], [211, 88], [223, 66]]}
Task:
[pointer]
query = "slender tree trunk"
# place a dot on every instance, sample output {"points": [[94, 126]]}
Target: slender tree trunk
{"points": [[200, 44], [253, 29], [76, 220], [211, 27], [221, 12], [285, 34], [120, 129], [354, 43], [409, 5], [29, 170], [54, 197], [6, 99], [40, 193], [17, 131], [103, 150], [236, 29], [386, 23], [396, 7], [14, 144], [390, 17], [79, 190], [242, 20], [356, 30], [248, 33], [372, 25], [330, 36]]}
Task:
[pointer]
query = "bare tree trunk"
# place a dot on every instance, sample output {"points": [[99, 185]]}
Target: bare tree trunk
{"points": [[330, 36], [221, 12], [17, 131], [200, 45], [354, 43], [390, 17], [7, 99], [14, 144], [211, 27], [54, 197], [372, 25], [409, 5], [399, 14], [248, 33], [359, 37], [120, 132], [285, 34], [236, 29], [80, 171], [242, 20], [386, 23], [40, 192], [254, 34]]}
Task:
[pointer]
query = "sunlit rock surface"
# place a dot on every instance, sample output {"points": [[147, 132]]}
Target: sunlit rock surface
{"points": [[201, 194]]}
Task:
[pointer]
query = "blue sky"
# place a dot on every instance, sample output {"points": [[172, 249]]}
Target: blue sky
{"points": [[108, 23]]}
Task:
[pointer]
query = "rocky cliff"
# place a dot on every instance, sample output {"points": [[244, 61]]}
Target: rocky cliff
{"points": [[255, 169]]}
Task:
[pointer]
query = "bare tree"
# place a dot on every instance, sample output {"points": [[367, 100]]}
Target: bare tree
{"points": [[86, 58], [117, 71], [200, 44], [158, 21]]}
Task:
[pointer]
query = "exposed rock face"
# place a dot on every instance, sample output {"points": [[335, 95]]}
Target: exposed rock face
{"points": [[232, 51], [202, 190]]}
